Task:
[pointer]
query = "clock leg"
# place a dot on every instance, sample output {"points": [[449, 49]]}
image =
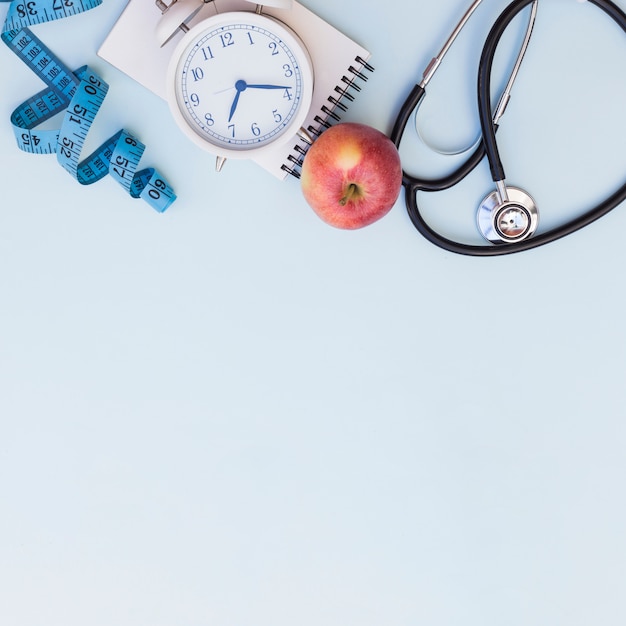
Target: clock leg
{"points": [[219, 163]]}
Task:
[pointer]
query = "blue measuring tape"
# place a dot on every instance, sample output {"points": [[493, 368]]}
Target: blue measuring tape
{"points": [[79, 94]]}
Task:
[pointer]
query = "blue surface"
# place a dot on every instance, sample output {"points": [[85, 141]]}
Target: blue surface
{"points": [[232, 414]]}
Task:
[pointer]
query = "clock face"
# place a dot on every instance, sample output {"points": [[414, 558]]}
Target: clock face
{"points": [[239, 82]]}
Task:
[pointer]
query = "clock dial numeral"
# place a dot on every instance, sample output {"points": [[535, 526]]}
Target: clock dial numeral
{"points": [[227, 40], [197, 73], [273, 46], [207, 53]]}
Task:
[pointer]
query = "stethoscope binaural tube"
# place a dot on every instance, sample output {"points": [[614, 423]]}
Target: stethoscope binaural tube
{"points": [[489, 147]]}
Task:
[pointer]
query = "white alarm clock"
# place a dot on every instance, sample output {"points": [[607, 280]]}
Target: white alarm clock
{"points": [[238, 82]]}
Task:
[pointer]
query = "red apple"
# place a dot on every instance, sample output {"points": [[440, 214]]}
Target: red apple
{"points": [[351, 175]]}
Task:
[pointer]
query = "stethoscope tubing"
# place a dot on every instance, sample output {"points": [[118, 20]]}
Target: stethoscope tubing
{"points": [[499, 250], [431, 184], [488, 147]]}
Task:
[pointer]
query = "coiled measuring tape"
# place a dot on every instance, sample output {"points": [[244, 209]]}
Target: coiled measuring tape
{"points": [[80, 95]]}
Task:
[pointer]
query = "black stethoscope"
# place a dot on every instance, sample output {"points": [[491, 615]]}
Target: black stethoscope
{"points": [[507, 218]]}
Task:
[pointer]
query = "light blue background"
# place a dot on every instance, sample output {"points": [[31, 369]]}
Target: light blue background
{"points": [[233, 414]]}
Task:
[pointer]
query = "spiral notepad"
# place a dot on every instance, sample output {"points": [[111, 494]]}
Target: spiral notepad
{"points": [[339, 64]]}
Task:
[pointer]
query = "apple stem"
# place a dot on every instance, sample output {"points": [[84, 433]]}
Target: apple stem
{"points": [[351, 191]]}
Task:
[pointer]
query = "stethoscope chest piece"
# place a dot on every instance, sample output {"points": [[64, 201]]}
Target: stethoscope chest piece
{"points": [[514, 219]]}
